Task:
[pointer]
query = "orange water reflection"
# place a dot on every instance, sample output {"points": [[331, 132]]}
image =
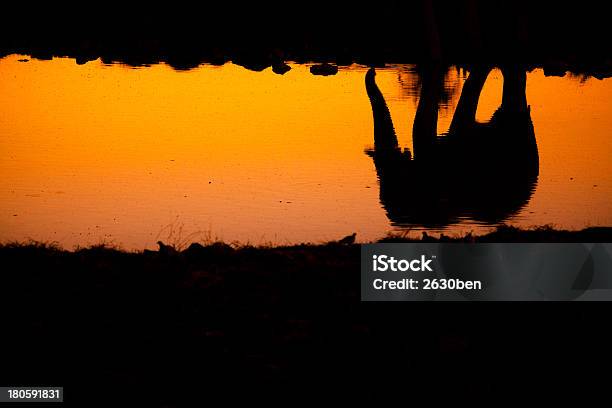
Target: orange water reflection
{"points": [[98, 153]]}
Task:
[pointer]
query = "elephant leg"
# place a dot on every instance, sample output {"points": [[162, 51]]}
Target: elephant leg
{"points": [[514, 97], [465, 113], [432, 34], [424, 129]]}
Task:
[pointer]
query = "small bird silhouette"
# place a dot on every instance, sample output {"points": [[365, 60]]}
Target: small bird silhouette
{"points": [[348, 240], [165, 249], [426, 237]]}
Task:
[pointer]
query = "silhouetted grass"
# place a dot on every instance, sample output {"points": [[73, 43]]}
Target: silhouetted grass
{"points": [[503, 233]]}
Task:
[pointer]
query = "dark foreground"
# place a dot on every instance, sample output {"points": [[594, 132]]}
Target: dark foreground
{"points": [[280, 324]]}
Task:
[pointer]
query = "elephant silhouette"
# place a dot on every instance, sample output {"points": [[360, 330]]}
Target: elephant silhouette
{"points": [[484, 172]]}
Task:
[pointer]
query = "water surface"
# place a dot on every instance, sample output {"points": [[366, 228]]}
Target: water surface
{"points": [[105, 153]]}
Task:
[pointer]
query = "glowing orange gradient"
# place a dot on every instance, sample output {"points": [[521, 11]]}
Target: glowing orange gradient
{"points": [[97, 153]]}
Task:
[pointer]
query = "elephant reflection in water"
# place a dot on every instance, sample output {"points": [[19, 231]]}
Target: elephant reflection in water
{"points": [[485, 172]]}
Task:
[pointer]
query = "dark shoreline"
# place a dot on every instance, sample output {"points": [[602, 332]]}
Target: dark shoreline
{"points": [[599, 68], [557, 37], [170, 329], [503, 233]]}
